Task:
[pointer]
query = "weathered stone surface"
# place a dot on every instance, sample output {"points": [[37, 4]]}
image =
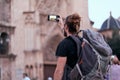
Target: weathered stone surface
{"points": [[35, 39], [5, 10]]}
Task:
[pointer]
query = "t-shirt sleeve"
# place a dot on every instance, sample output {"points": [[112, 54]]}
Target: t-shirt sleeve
{"points": [[62, 49]]}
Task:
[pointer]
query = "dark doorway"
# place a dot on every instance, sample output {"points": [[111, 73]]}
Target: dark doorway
{"points": [[49, 70]]}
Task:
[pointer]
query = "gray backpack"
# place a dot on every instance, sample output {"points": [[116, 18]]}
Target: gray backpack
{"points": [[93, 59]]}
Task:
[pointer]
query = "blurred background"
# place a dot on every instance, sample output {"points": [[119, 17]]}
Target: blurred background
{"points": [[28, 40]]}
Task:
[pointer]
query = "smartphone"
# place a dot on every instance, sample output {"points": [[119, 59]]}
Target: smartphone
{"points": [[53, 18]]}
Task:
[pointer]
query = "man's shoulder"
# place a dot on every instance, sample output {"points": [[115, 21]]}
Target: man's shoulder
{"points": [[67, 40]]}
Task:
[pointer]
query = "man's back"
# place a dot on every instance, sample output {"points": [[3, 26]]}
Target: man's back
{"points": [[67, 48]]}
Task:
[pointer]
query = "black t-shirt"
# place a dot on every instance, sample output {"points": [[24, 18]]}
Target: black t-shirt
{"points": [[67, 48]]}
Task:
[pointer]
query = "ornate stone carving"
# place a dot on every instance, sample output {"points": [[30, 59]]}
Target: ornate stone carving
{"points": [[48, 6], [29, 17], [52, 7]]}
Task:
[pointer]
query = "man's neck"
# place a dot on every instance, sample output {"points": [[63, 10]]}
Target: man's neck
{"points": [[69, 34]]}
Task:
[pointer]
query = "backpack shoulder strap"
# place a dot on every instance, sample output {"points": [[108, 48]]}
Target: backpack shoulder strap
{"points": [[78, 42]]}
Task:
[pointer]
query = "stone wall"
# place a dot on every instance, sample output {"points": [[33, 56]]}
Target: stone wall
{"points": [[5, 7], [5, 69], [32, 40]]}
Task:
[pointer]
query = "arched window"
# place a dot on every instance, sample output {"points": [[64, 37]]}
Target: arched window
{"points": [[4, 43], [31, 71], [27, 69]]}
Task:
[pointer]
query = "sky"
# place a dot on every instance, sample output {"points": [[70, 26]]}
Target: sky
{"points": [[99, 10]]}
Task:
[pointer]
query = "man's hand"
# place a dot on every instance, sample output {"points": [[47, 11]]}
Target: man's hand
{"points": [[115, 60], [61, 23]]}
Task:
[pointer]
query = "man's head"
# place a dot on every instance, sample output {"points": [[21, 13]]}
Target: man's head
{"points": [[72, 24], [25, 74]]}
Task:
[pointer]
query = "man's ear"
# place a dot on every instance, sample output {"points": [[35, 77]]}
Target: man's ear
{"points": [[66, 27]]}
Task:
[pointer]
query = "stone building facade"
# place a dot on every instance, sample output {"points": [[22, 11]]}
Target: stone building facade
{"points": [[30, 40]]}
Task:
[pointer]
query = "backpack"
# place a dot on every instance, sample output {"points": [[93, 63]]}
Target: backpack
{"points": [[93, 59]]}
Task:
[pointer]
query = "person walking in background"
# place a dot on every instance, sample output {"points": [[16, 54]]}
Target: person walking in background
{"points": [[25, 76]]}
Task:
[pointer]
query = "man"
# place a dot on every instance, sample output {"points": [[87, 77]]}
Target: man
{"points": [[25, 76], [66, 51]]}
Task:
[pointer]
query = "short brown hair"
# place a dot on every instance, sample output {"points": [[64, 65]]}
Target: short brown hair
{"points": [[73, 22], [25, 74]]}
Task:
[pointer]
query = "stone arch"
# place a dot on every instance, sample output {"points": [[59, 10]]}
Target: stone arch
{"points": [[31, 67], [31, 71], [27, 69], [49, 54], [4, 35], [50, 47]]}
